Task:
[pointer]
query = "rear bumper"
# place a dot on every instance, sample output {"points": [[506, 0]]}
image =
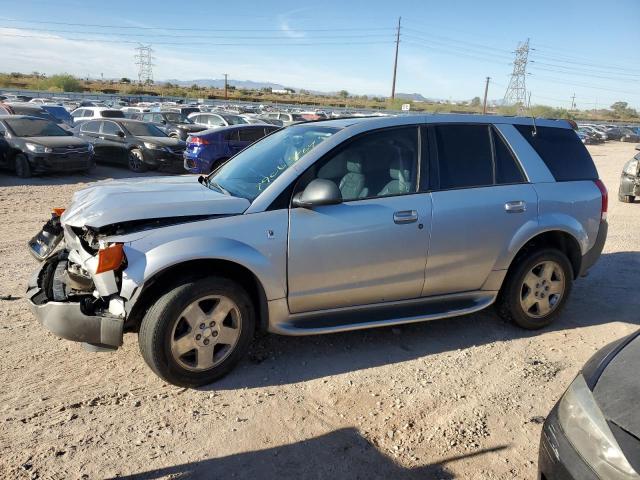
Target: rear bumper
{"points": [[195, 164], [557, 459], [592, 256], [67, 319]]}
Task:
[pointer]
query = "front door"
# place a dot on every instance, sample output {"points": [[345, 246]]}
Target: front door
{"points": [[371, 248], [113, 143]]}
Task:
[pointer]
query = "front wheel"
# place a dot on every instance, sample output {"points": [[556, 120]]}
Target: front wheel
{"points": [[197, 332], [537, 289], [136, 161]]}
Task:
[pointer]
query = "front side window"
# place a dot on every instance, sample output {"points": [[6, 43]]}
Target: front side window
{"points": [[140, 129], [90, 127], [377, 164], [110, 128], [78, 113], [215, 121], [251, 171]]}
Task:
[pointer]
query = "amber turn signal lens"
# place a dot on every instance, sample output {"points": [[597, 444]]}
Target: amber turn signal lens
{"points": [[58, 211], [110, 258]]}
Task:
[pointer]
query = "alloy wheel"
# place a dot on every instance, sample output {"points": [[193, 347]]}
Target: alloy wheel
{"points": [[206, 332], [542, 289]]}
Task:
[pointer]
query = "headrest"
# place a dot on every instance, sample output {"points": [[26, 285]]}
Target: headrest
{"points": [[398, 172]]}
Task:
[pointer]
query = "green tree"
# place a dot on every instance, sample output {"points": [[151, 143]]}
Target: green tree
{"points": [[475, 102], [125, 80], [343, 94]]}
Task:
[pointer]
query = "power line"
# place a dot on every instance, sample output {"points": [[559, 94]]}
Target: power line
{"points": [[188, 44], [193, 29], [282, 36]]}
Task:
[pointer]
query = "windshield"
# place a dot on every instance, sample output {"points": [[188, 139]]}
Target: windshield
{"points": [[251, 171], [234, 119], [143, 129], [34, 127], [176, 118]]}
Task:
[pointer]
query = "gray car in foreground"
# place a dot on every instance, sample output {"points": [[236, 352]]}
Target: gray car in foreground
{"points": [[324, 227]]}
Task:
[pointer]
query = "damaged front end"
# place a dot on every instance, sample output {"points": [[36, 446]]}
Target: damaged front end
{"points": [[75, 292]]}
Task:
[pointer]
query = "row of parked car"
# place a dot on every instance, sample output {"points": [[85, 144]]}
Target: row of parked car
{"points": [[591, 134]]}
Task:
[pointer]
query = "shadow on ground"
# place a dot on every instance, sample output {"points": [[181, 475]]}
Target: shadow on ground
{"points": [[601, 298], [342, 453]]}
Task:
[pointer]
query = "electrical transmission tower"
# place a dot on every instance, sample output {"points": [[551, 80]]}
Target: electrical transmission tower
{"points": [[517, 91], [144, 61]]}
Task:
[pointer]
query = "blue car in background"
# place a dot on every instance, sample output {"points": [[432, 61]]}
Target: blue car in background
{"points": [[209, 149], [60, 113]]}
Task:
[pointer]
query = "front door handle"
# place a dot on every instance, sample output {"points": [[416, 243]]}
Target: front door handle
{"points": [[405, 216], [517, 206]]}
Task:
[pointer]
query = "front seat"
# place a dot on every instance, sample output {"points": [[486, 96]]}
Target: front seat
{"points": [[400, 179], [352, 184]]}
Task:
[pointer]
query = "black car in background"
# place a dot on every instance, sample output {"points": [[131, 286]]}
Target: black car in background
{"points": [[593, 432], [630, 180], [174, 124], [30, 145], [33, 110], [139, 145]]}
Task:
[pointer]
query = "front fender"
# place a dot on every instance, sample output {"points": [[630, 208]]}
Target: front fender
{"points": [[550, 222], [144, 265]]}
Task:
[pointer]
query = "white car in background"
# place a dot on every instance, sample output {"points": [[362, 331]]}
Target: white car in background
{"points": [[91, 113], [216, 120]]}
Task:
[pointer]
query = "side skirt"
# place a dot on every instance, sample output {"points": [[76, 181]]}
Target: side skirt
{"points": [[376, 315]]}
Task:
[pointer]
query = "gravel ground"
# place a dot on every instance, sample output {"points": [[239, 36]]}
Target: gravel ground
{"points": [[457, 398]]}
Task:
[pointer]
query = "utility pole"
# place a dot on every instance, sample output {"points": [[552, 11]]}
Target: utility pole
{"points": [[573, 101], [225, 86], [486, 89], [395, 62]]}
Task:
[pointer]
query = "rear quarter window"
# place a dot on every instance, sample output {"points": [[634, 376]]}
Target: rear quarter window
{"points": [[562, 151]]}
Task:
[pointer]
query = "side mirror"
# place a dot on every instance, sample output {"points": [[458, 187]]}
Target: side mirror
{"points": [[120, 133], [318, 192], [163, 122]]}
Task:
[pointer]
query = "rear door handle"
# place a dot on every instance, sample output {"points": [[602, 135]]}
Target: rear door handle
{"points": [[405, 216], [517, 206]]}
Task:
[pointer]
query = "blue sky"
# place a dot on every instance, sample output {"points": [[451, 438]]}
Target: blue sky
{"points": [[590, 48]]}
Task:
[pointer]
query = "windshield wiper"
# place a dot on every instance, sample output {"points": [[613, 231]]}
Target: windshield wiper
{"points": [[210, 183], [218, 186]]}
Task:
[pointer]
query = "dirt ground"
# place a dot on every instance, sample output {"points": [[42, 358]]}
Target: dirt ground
{"points": [[457, 398]]}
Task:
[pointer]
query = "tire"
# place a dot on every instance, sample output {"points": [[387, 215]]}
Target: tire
{"points": [[22, 166], [626, 198], [136, 161], [177, 348], [515, 294]]}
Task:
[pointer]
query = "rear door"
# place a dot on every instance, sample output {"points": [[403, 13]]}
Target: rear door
{"points": [[4, 146], [90, 132], [481, 198]]}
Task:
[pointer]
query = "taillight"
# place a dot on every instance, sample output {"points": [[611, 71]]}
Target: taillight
{"points": [[605, 198], [199, 141]]}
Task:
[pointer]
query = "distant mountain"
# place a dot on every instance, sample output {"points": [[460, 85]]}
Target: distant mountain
{"points": [[411, 96], [219, 83]]}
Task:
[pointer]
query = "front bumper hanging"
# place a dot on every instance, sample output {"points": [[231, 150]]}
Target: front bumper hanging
{"points": [[71, 320]]}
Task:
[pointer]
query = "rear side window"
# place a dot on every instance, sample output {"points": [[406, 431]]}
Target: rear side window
{"points": [[507, 170], [251, 134], [562, 151], [464, 156], [112, 114], [90, 127]]}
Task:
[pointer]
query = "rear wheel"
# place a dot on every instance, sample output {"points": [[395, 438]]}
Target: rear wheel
{"points": [[536, 290], [626, 198], [197, 332], [23, 169], [136, 161]]}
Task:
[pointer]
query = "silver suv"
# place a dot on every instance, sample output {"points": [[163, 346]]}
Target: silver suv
{"points": [[324, 227]]}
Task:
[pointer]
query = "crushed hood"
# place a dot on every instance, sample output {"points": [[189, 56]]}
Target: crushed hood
{"points": [[116, 201]]}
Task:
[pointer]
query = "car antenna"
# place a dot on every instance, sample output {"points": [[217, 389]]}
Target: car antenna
{"points": [[533, 118]]}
